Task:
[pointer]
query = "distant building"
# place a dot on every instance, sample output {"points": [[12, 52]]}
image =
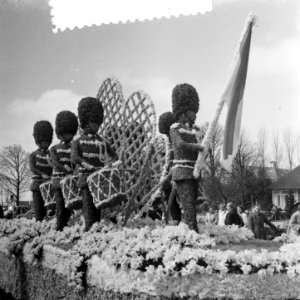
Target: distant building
{"points": [[281, 188], [25, 198], [273, 173]]}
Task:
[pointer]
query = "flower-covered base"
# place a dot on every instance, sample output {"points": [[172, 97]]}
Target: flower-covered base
{"points": [[36, 281], [145, 260]]}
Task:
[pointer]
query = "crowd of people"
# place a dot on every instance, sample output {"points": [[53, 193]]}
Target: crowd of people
{"points": [[235, 215]]}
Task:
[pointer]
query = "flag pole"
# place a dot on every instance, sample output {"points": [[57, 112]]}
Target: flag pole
{"points": [[200, 163]]}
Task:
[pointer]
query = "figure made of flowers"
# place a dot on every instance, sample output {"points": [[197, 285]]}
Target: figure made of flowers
{"points": [[66, 126], [39, 165], [90, 153], [166, 120], [185, 105]]}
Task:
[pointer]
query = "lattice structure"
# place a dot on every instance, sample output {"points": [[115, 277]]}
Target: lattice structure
{"points": [[153, 170], [111, 96], [159, 167], [140, 125], [47, 192]]}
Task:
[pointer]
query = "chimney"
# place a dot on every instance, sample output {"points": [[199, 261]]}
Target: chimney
{"points": [[275, 169]]}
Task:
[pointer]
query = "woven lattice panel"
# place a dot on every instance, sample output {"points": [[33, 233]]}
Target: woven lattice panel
{"points": [[47, 192], [139, 125], [153, 170], [111, 96], [69, 189]]}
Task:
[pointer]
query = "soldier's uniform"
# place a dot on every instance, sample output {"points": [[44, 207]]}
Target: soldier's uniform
{"points": [[40, 167], [182, 171], [90, 153], [185, 105], [60, 157]]}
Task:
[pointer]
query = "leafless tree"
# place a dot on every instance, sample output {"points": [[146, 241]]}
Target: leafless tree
{"points": [[246, 154], [242, 168], [277, 154], [297, 150], [289, 146], [14, 170], [262, 155], [213, 167]]}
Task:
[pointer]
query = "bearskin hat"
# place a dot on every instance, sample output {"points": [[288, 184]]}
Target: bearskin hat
{"points": [[90, 110], [66, 122], [184, 98], [165, 122], [42, 131]]}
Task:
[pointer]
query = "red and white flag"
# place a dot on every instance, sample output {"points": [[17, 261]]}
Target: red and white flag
{"points": [[233, 96]]}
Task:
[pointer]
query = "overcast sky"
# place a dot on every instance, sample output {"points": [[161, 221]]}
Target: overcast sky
{"points": [[42, 73]]}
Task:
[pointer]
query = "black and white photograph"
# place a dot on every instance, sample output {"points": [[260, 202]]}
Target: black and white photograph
{"points": [[149, 149]]}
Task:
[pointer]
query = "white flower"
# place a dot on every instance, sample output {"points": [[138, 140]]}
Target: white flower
{"points": [[262, 272]]}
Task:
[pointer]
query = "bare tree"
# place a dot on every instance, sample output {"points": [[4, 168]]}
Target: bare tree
{"points": [[246, 154], [297, 150], [213, 166], [262, 155], [14, 170], [289, 146], [277, 149], [242, 170]]}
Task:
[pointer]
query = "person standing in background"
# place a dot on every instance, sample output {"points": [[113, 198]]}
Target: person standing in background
{"points": [[222, 214], [294, 223], [211, 217], [257, 221], [232, 217]]}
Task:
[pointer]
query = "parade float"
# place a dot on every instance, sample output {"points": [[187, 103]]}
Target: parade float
{"points": [[128, 255]]}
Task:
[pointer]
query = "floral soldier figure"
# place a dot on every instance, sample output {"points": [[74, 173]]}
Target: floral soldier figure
{"points": [[39, 165], [66, 126], [166, 120], [90, 152], [185, 105]]}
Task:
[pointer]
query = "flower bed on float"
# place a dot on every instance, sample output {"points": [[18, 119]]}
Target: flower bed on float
{"points": [[144, 260]]}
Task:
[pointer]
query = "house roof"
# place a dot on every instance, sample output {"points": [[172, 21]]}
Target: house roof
{"points": [[290, 181]]}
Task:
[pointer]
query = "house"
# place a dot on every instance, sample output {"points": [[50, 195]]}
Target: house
{"points": [[282, 187]]}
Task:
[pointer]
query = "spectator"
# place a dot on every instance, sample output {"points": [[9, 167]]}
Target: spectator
{"points": [[222, 214], [232, 217], [1, 212], [274, 213], [211, 216], [294, 223], [244, 215], [256, 223]]}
